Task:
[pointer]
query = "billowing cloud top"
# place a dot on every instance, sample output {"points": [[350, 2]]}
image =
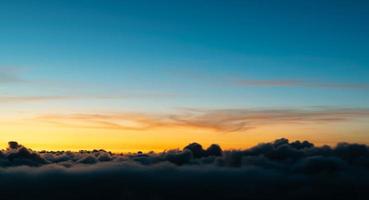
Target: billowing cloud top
{"points": [[276, 170]]}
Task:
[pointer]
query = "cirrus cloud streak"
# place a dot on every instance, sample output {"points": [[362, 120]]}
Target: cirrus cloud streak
{"points": [[226, 120], [301, 83]]}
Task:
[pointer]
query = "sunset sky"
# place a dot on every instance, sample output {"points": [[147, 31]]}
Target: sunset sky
{"points": [[156, 75]]}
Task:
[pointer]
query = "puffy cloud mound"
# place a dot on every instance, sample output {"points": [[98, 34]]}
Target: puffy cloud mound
{"points": [[277, 170]]}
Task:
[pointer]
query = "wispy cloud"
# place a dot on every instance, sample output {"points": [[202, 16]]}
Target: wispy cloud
{"points": [[228, 120], [36, 98], [23, 99], [301, 83], [9, 75], [128, 121]]}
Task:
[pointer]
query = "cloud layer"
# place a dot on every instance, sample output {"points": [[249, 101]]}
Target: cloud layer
{"points": [[226, 120], [276, 170]]}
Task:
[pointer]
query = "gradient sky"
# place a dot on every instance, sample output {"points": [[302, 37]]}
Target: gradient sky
{"points": [[153, 75]]}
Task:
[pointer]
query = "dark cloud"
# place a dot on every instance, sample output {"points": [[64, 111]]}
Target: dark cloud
{"points": [[275, 170], [214, 150], [13, 145], [196, 149]]}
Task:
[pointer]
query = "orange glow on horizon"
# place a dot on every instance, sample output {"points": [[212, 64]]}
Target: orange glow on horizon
{"points": [[39, 135]]}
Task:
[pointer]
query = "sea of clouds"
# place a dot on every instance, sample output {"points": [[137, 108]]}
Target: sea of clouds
{"points": [[276, 170]]}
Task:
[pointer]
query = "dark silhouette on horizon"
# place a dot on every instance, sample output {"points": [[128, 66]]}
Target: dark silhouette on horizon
{"points": [[275, 170]]}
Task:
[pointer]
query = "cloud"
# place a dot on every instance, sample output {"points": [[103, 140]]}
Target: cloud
{"points": [[39, 98], [13, 75], [275, 170], [9, 75], [23, 99], [301, 83], [226, 120], [131, 121]]}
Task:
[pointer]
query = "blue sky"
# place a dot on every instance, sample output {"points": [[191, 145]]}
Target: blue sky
{"points": [[171, 54]]}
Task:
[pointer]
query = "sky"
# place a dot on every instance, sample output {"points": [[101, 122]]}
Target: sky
{"points": [[156, 75]]}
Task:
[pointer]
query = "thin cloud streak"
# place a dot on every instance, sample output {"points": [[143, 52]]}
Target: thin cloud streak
{"points": [[301, 83], [126, 121], [9, 75], [29, 99], [228, 120], [22, 99]]}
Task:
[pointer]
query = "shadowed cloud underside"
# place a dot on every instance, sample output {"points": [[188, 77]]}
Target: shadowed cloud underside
{"points": [[280, 169]]}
